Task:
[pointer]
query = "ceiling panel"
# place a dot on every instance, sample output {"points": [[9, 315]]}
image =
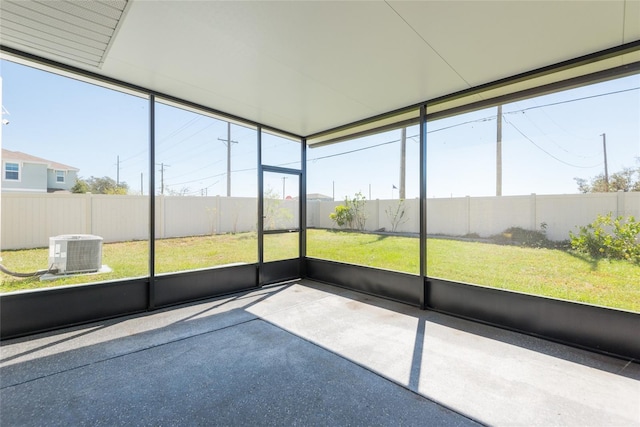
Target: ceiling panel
{"points": [[631, 24], [77, 31], [364, 51], [305, 67], [217, 67], [351, 61], [488, 40]]}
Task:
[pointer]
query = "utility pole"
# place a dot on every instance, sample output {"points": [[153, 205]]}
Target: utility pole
{"points": [[499, 153], [162, 178], [283, 181], [228, 143], [606, 169], [117, 171], [403, 162], [141, 186], [162, 168]]}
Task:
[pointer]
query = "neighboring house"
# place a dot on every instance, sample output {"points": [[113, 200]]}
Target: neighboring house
{"points": [[24, 172], [319, 197]]}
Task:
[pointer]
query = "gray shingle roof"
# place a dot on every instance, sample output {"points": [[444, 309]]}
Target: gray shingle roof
{"points": [[19, 156]]}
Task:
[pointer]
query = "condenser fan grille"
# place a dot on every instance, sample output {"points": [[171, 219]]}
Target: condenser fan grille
{"points": [[75, 253]]}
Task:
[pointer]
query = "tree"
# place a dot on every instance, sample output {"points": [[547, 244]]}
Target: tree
{"points": [[181, 192], [397, 216], [80, 186], [275, 216], [628, 179], [104, 185]]}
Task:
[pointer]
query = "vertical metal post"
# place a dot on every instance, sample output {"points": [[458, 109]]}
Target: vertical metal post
{"points": [[403, 163], [228, 159], [303, 209], [260, 208], [499, 152], [152, 202], [606, 167], [423, 203]]}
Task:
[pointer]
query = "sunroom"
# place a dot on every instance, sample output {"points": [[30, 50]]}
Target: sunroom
{"points": [[443, 159]]}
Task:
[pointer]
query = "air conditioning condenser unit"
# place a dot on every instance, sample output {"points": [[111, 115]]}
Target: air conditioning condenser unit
{"points": [[75, 253]]}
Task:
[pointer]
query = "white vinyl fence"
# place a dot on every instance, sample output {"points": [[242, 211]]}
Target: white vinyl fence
{"points": [[28, 219], [488, 216]]}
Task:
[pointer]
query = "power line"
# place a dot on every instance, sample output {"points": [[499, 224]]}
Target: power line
{"points": [[563, 129], [213, 176], [191, 172], [189, 137], [573, 100], [184, 126], [348, 152], [553, 141], [170, 135], [489, 118], [203, 191], [483, 119], [545, 151]]}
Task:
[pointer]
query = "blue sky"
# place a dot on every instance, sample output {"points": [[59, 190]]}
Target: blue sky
{"points": [[547, 141]]}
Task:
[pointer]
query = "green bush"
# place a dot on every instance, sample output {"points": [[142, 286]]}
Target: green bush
{"points": [[343, 216], [609, 238], [351, 214]]}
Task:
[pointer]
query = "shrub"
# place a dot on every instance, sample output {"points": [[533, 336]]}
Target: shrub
{"points": [[397, 216], [524, 237], [609, 238], [343, 216], [351, 214]]}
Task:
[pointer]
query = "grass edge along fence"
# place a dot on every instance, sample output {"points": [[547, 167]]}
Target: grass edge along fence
{"points": [[551, 272]]}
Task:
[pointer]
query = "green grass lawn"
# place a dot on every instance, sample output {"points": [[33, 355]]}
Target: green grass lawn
{"points": [[131, 259], [549, 272]]}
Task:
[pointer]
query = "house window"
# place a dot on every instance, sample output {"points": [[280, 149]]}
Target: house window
{"points": [[12, 171], [60, 176]]}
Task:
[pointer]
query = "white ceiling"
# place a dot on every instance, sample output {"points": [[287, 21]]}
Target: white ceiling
{"points": [[308, 66]]}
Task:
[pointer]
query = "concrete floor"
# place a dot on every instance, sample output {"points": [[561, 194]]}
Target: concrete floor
{"points": [[306, 353]]}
